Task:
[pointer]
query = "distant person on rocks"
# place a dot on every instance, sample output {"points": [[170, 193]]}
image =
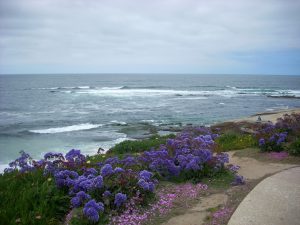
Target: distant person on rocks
{"points": [[259, 119], [100, 150]]}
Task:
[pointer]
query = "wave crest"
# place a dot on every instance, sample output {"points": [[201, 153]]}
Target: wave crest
{"points": [[83, 126]]}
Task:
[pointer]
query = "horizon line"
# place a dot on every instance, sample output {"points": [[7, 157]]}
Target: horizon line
{"points": [[137, 73]]}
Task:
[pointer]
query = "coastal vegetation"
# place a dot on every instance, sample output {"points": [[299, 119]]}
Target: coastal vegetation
{"points": [[137, 180]]}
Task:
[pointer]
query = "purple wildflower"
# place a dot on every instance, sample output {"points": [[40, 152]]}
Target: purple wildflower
{"points": [[75, 157], [106, 194], [24, 163], [261, 142], [238, 180], [129, 161], [91, 210], [112, 160], [119, 170], [120, 199], [90, 171], [106, 170], [234, 168], [79, 199], [65, 178], [53, 155], [146, 175]]}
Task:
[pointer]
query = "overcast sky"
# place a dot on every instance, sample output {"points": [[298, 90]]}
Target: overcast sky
{"points": [[156, 36]]}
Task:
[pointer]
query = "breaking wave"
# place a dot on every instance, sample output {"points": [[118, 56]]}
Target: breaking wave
{"points": [[83, 126]]}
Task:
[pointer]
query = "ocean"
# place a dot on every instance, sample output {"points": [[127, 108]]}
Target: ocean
{"points": [[41, 113]]}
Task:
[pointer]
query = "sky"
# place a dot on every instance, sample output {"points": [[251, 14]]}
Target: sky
{"points": [[157, 36]]}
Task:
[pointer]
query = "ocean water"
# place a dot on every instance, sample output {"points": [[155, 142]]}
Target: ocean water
{"points": [[41, 113]]}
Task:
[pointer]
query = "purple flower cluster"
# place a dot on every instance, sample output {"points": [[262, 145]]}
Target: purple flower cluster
{"points": [[238, 180], [24, 163], [272, 136], [145, 181], [92, 209], [221, 216], [80, 197], [107, 170], [274, 142], [65, 178], [189, 151], [160, 161], [120, 199], [54, 156], [75, 158], [89, 183], [234, 168], [106, 194]]}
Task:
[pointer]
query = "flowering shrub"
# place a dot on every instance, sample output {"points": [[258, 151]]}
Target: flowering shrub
{"points": [[272, 137], [108, 186], [120, 199], [289, 123], [24, 163], [91, 210], [273, 143]]}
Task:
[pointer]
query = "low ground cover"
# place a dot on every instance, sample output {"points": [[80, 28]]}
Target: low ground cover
{"points": [[102, 189]]}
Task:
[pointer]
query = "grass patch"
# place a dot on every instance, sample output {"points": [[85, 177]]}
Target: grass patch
{"points": [[31, 198], [221, 180], [135, 146], [234, 141]]}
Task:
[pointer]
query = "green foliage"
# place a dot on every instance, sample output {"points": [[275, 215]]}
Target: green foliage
{"points": [[140, 145], [234, 141], [220, 180], [294, 148], [31, 198]]}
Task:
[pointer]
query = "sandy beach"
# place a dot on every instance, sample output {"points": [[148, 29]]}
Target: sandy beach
{"points": [[267, 116]]}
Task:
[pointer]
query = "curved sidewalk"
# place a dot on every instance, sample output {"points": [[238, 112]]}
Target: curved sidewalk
{"points": [[274, 201]]}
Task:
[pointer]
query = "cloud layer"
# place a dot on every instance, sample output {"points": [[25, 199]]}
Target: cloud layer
{"points": [[190, 36]]}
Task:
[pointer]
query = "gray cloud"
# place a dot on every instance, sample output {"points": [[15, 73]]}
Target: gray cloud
{"points": [[133, 33]]}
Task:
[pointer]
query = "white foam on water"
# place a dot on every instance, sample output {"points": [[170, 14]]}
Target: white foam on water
{"points": [[67, 87], [83, 126], [276, 108], [112, 88], [286, 93], [118, 122], [2, 167], [192, 98], [154, 122], [83, 87], [157, 93]]}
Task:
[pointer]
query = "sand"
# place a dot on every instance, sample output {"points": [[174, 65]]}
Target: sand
{"points": [[267, 116]]}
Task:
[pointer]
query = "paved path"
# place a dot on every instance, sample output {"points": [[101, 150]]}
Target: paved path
{"points": [[274, 201]]}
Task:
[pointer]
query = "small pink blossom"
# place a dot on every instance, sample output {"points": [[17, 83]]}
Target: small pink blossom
{"points": [[278, 155], [166, 198]]}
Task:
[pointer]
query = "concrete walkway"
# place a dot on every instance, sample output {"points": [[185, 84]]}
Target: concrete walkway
{"points": [[274, 201]]}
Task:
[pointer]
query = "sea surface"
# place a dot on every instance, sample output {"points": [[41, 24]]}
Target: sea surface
{"points": [[41, 113]]}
